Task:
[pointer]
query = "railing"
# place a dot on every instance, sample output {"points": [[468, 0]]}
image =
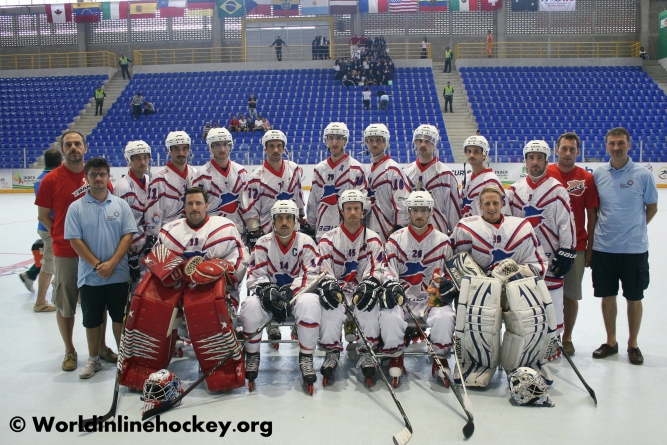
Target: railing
{"points": [[548, 50], [58, 60]]}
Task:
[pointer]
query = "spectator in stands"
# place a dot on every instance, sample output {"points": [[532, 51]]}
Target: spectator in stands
{"points": [[149, 108], [243, 124], [361, 44], [478, 132], [347, 82], [234, 124], [124, 65], [448, 60], [353, 45], [326, 48], [250, 125], [137, 100], [424, 53], [643, 54], [216, 125], [489, 43], [204, 132], [266, 125], [337, 68], [258, 125], [99, 99], [366, 98], [384, 102], [448, 94], [279, 43], [252, 106]]}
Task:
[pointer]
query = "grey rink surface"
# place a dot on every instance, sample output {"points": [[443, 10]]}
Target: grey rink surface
{"points": [[630, 410]]}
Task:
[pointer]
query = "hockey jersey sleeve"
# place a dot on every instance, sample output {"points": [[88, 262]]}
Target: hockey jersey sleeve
{"points": [[169, 241], [375, 259], [314, 198], [153, 210], [392, 265], [454, 203], [461, 239], [399, 193], [252, 199], [258, 267], [567, 234], [309, 267], [225, 243], [298, 196]]}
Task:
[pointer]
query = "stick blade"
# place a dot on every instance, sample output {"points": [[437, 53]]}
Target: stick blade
{"points": [[402, 437], [592, 393], [157, 410], [468, 429]]}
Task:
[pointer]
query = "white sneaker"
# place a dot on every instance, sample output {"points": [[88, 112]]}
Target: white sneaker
{"points": [[27, 281], [91, 368]]}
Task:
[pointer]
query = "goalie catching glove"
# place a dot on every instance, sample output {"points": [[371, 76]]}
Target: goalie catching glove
{"points": [[201, 271], [275, 300], [563, 262], [442, 290], [366, 294], [509, 270], [391, 294], [330, 293]]}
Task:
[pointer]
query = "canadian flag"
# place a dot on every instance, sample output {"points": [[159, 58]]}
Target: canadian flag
{"points": [[59, 13]]}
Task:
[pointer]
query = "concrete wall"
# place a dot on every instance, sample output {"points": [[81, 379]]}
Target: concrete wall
{"points": [[624, 61], [58, 72]]}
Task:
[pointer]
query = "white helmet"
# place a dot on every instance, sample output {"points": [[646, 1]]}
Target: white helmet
{"points": [[177, 138], [377, 130], [273, 135], [136, 148], [338, 128], [537, 147], [285, 206], [478, 141], [528, 388], [419, 199], [351, 196], [219, 135], [428, 132]]}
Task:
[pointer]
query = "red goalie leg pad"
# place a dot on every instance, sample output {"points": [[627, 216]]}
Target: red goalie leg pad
{"points": [[212, 335], [150, 331]]}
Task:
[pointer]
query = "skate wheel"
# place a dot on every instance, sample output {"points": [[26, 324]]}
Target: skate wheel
{"points": [[394, 382], [325, 380], [251, 385], [369, 382], [275, 346], [311, 389]]}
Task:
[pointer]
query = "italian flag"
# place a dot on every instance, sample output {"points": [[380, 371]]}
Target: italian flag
{"points": [[464, 5], [115, 10]]}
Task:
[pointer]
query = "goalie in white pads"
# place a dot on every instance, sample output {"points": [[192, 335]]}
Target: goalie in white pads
{"points": [[476, 150], [352, 257], [331, 178], [428, 173], [282, 263]]}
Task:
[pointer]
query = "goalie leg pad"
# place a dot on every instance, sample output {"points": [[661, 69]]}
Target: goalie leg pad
{"points": [[530, 322], [555, 286], [308, 315], [212, 334], [478, 318], [392, 329], [331, 324], [442, 321], [150, 331]]}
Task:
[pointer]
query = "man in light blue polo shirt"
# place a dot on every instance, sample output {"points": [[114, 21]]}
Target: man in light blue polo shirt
{"points": [[628, 202], [99, 227]]}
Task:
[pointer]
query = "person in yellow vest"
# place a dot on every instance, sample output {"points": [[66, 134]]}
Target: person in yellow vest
{"points": [[99, 100], [489, 43], [448, 93], [124, 65], [448, 60]]}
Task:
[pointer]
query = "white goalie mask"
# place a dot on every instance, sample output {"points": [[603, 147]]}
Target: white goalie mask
{"points": [[160, 387], [528, 388], [136, 148]]}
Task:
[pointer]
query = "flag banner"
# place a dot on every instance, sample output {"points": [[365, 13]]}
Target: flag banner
{"points": [[373, 6], [86, 12], [258, 7], [343, 6], [525, 5], [230, 8], [171, 8], [662, 35], [464, 5], [143, 10], [491, 5], [558, 5], [311, 7], [400, 6], [432, 5], [285, 8], [58, 13], [115, 10], [200, 8]]}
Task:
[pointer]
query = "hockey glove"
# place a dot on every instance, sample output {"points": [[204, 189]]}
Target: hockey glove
{"points": [[150, 242], [448, 291], [563, 262], [286, 292], [330, 293], [306, 229], [133, 262], [251, 238], [392, 294], [366, 294], [271, 300]]}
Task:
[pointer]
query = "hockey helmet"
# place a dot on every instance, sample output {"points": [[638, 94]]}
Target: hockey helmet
{"points": [[285, 206], [419, 199], [537, 147], [478, 141], [274, 135], [136, 148], [160, 387], [177, 138], [351, 196], [338, 128], [427, 132], [528, 388], [219, 135], [377, 130]]}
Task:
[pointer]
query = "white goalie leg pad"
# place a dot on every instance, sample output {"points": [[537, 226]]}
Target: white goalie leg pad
{"points": [[556, 293], [478, 319], [530, 323]]}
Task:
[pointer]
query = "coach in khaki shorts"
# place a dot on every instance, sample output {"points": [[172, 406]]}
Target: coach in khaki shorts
{"points": [[580, 186]]}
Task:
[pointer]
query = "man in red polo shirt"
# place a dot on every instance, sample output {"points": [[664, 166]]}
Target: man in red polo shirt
{"points": [[58, 190], [584, 201]]}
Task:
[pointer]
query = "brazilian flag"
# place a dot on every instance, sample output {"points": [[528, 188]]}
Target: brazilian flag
{"points": [[230, 8]]}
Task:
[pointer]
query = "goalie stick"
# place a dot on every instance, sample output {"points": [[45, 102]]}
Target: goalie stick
{"points": [[403, 436], [576, 371], [469, 427], [167, 406]]}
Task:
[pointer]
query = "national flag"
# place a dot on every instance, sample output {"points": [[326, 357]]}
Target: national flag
{"points": [[86, 12], [58, 13], [403, 6], [285, 8], [230, 8], [343, 6], [373, 6], [258, 7], [432, 5], [464, 5], [525, 5], [115, 10], [143, 10], [311, 7], [558, 5], [172, 8], [200, 8], [491, 5]]}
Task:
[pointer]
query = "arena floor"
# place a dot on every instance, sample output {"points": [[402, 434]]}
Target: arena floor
{"points": [[630, 410]]}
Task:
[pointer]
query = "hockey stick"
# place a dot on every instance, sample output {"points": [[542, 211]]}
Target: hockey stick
{"points": [[576, 371], [463, 382], [308, 288], [469, 427], [168, 405], [403, 436]]}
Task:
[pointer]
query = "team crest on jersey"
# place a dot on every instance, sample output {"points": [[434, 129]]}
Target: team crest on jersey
{"points": [[229, 203], [350, 271], [284, 196], [576, 187], [533, 215], [330, 195], [155, 218], [414, 273], [283, 279], [499, 255]]}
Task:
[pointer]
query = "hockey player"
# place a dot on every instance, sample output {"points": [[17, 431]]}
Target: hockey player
{"points": [[411, 256], [544, 202], [281, 264], [224, 180], [352, 257], [331, 178], [387, 189], [476, 150], [428, 173], [169, 185]]}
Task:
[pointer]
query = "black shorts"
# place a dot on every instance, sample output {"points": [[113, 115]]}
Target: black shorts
{"points": [[95, 298], [630, 268]]}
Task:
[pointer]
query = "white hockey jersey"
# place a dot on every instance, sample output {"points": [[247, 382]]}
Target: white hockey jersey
{"points": [[166, 196], [132, 190], [437, 179], [266, 186], [330, 180], [295, 265], [225, 190], [350, 257], [473, 187], [488, 244], [387, 192], [411, 259]]}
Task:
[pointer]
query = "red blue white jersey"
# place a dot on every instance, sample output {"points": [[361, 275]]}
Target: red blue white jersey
{"points": [[135, 192], [474, 185], [412, 258], [225, 188], [387, 192], [489, 244], [266, 186], [330, 180], [546, 205], [437, 179], [350, 257], [296, 265], [166, 196]]}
